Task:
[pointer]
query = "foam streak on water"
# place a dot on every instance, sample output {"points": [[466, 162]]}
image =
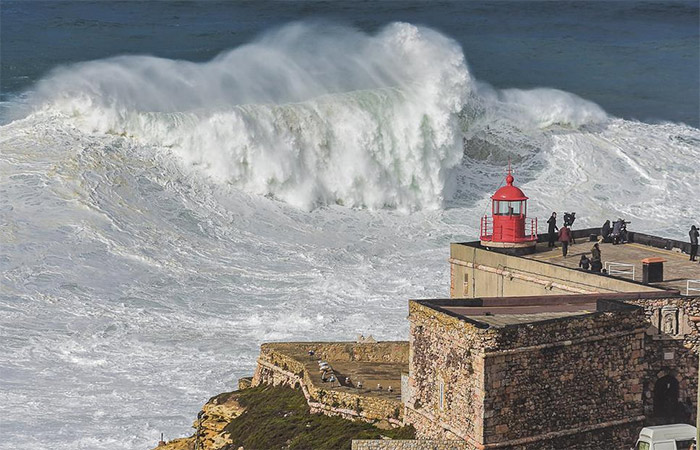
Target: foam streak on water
{"points": [[160, 219]]}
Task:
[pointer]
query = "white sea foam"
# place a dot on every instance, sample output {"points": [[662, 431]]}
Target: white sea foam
{"points": [[141, 272], [352, 119]]}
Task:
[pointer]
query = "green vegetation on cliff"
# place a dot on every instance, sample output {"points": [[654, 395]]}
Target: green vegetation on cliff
{"points": [[278, 417]]}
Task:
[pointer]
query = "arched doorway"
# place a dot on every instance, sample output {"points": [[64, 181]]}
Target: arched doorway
{"points": [[667, 409]]}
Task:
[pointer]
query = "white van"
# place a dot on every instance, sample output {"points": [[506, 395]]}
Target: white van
{"points": [[666, 437]]}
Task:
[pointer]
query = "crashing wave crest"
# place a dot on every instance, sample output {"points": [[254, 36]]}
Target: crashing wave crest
{"points": [[315, 114]]}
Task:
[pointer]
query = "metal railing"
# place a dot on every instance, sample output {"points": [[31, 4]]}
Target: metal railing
{"points": [[618, 268], [688, 288], [486, 229]]}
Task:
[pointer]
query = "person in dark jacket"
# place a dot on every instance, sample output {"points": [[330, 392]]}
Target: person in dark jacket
{"points": [[616, 234], [623, 233], [564, 238], [552, 222], [569, 222], [584, 263], [569, 219], [693, 242], [605, 231], [596, 263]]}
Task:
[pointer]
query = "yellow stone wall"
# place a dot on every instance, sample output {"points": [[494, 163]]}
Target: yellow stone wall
{"points": [[492, 274]]}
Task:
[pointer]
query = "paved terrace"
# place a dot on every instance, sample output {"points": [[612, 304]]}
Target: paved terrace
{"points": [[500, 316], [677, 268], [370, 373], [505, 311]]}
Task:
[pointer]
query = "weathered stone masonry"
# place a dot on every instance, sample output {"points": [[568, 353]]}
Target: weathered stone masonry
{"points": [[445, 351], [277, 367], [575, 382], [588, 380], [368, 444], [671, 344]]}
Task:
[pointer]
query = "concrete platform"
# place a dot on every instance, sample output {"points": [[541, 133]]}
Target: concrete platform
{"points": [[370, 373], [677, 268], [498, 316]]}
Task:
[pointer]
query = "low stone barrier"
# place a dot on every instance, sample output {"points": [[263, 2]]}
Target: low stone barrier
{"points": [[277, 368], [395, 444]]}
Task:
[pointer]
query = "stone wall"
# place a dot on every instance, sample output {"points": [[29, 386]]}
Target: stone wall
{"points": [[538, 393], [579, 382], [356, 406], [277, 367], [672, 341], [264, 374], [598, 439], [390, 444], [445, 357], [557, 331], [619, 437], [534, 385], [385, 351]]}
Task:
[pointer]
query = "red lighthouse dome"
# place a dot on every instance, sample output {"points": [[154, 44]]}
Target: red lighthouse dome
{"points": [[506, 228], [509, 192]]}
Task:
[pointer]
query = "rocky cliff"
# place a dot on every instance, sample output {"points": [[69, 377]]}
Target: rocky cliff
{"points": [[273, 417]]}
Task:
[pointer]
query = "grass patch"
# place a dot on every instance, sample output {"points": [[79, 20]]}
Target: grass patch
{"points": [[278, 417]]}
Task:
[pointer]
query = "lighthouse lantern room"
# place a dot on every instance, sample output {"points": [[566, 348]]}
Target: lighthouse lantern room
{"points": [[506, 228]]}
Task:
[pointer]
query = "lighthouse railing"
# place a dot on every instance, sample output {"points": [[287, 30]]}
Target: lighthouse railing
{"points": [[533, 229], [486, 232]]}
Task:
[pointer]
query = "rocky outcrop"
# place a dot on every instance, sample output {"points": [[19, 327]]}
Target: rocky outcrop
{"points": [[210, 425], [267, 417]]}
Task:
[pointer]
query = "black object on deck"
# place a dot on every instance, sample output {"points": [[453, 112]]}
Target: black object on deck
{"points": [[652, 270]]}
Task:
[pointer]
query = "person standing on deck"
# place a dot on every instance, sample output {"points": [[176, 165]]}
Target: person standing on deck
{"points": [[564, 238], [693, 242], [552, 229], [569, 222], [596, 262], [617, 231], [605, 231]]}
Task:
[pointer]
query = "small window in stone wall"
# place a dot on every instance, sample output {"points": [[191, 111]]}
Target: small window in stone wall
{"points": [[465, 286]]}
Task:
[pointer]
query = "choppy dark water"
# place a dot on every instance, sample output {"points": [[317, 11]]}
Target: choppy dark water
{"points": [[635, 59]]}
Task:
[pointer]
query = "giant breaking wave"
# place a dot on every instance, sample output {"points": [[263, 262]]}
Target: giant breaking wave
{"points": [[316, 114]]}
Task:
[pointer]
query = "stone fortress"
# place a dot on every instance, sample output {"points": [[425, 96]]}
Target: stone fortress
{"points": [[529, 352]]}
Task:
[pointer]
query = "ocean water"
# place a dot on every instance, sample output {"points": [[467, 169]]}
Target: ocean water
{"points": [[182, 181]]}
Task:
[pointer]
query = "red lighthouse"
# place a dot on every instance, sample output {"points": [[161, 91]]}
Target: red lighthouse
{"points": [[506, 227]]}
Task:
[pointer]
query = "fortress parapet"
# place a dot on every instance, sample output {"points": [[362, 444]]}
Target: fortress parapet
{"points": [[348, 385]]}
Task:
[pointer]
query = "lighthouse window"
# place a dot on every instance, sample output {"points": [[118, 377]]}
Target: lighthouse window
{"points": [[507, 208]]}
